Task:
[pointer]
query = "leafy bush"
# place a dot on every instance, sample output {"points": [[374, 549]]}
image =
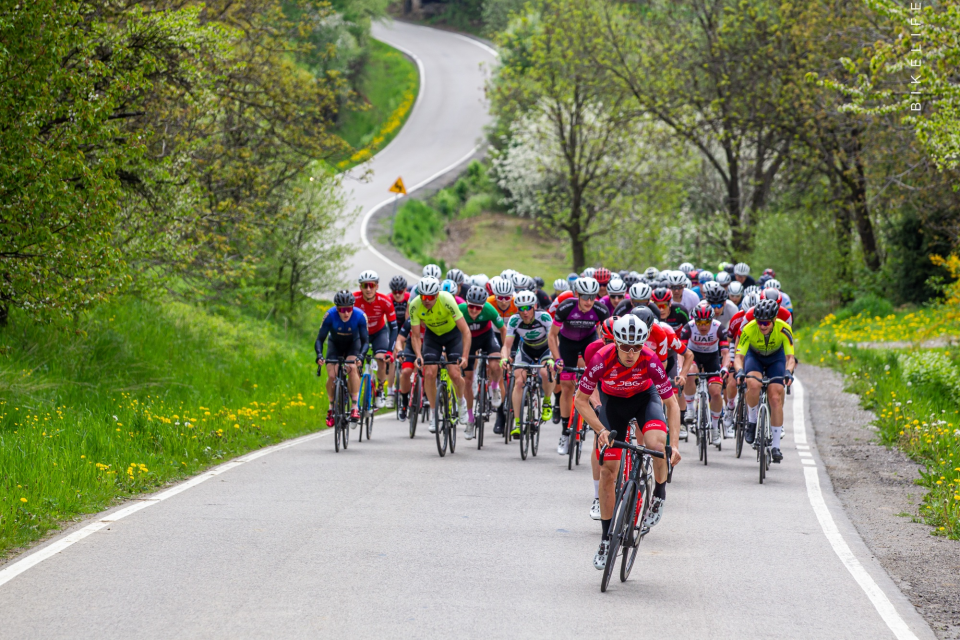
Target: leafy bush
{"points": [[870, 305], [479, 203], [416, 228], [933, 370]]}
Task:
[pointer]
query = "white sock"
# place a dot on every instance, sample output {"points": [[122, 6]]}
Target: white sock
{"points": [[732, 403], [688, 399], [777, 432], [596, 489], [752, 412], [716, 418]]}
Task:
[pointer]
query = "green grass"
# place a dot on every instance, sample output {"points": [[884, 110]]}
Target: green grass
{"points": [[915, 394], [389, 86], [135, 396]]}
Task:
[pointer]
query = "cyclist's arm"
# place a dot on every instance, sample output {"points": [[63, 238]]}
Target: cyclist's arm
{"points": [[394, 330], [416, 341], [364, 337], [467, 338], [671, 407], [582, 403], [553, 342], [686, 365], [322, 335], [507, 346]]}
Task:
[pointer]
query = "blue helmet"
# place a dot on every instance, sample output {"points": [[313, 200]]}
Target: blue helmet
{"points": [[450, 286]]}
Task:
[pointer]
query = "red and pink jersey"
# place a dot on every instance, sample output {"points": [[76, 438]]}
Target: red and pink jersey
{"points": [[592, 349], [662, 340], [737, 322], [564, 295], [379, 312], [782, 314], [615, 379]]}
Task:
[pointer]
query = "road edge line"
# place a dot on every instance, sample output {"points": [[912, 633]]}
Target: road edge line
{"points": [[888, 612], [26, 563]]}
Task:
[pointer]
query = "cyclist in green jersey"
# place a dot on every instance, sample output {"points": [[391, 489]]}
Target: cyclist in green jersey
{"points": [[482, 318], [532, 326], [446, 330]]}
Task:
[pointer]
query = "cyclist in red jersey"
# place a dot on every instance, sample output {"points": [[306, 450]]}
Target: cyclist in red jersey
{"points": [[771, 294], [382, 327], [633, 385]]}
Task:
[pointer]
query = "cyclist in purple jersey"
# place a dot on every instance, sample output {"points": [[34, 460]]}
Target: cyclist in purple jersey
{"points": [[574, 328]]}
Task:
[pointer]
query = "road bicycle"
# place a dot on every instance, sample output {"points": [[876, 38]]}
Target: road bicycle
{"points": [[531, 408], [702, 413], [368, 391], [447, 412], [634, 494], [763, 440], [576, 426], [740, 415], [419, 409], [341, 405], [482, 403], [395, 391]]}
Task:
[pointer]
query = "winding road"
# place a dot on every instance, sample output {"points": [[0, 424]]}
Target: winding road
{"points": [[388, 540]]}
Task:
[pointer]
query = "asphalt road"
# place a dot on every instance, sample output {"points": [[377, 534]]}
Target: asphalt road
{"points": [[388, 540]]}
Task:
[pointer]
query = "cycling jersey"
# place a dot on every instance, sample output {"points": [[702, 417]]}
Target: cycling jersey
{"points": [[663, 340], [400, 308], [353, 330], [729, 310], [689, 300], [677, 317], [379, 311], [510, 311], [564, 295], [534, 334], [624, 307], [713, 341], [787, 304], [578, 325], [543, 299], [439, 319], [736, 324], [487, 319], [782, 314], [605, 301], [751, 338], [615, 379], [592, 349]]}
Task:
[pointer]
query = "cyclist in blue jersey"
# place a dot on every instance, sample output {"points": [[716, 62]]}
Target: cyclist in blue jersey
{"points": [[344, 329]]}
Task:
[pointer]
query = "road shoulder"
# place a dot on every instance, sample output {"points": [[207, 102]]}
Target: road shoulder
{"points": [[875, 484]]}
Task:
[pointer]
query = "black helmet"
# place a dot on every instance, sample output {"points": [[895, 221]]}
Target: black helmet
{"points": [[646, 314], [398, 283], [343, 299], [716, 294], [476, 295], [766, 310], [539, 282]]}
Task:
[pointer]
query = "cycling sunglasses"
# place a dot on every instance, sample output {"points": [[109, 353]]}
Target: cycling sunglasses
{"points": [[703, 323], [616, 296], [344, 309], [588, 298], [717, 306], [427, 298], [369, 285], [504, 298], [475, 307], [764, 323], [526, 307], [663, 305], [630, 348]]}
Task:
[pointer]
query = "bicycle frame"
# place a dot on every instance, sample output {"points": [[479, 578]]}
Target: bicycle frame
{"points": [[531, 404], [763, 441], [576, 426]]}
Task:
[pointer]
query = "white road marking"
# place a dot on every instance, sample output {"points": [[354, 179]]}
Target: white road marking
{"points": [[808, 461], [16, 568], [876, 595], [805, 454]]}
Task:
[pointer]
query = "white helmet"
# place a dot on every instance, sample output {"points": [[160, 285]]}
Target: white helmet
{"points": [[480, 280], [630, 329], [432, 271], [640, 291], [507, 274], [772, 283], [723, 278], [525, 299], [561, 284], [735, 289], [616, 287], [686, 283], [586, 286], [428, 286], [749, 301], [677, 279], [742, 269], [518, 280], [651, 273], [752, 289], [457, 276], [686, 268], [501, 287], [368, 276], [588, 272]]}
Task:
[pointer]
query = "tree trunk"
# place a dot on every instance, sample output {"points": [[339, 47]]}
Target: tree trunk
{"points": [[577, 246], [739, 232], [861, 213]]}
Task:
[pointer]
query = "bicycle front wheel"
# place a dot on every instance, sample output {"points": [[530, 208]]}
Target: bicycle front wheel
{"points": [[480, 412], [452, 418], [573, 428], [638, 499], [525, 408], [763, 422], [534, 433], [440, 418], [622, 516], [740, 421]]}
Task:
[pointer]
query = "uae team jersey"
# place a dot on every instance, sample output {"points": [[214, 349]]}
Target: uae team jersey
{"points": [[615, 379], [379, 312], [579, 325], [714, 340]]}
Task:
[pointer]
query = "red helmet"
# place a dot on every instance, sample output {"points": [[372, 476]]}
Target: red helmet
{"points": [[702, 312], [769, 272], [661, 295], [772, 294], [606, 329], [694, 275], [602, 275]]}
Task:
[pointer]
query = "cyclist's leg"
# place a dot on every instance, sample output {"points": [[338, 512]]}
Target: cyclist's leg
{"points": [[570, 354], [333, 353], [432, 349], [594, 460], [653, 423], [615, 416], [353, 373], [752, 364], [519, 379], [380, 345], [776, 365], [453, 344]]}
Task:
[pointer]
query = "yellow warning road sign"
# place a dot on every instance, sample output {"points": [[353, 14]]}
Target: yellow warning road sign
{"points": [[398, 187]]}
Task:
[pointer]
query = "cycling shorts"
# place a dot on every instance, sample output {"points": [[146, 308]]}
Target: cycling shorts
{"points": [[527, 355], [570, 352], [434, 345], [408, 357], [380, 341], [344, 348], [769, 366], [670, 366], [708, 362], [487, 343], [646, 407]]}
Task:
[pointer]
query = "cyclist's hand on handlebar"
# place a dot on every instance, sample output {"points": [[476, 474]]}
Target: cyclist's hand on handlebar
{"points": [[559, 362], [788, 378], [682, 380], [674, 456], [419, 362], [504, 362], [320, 361], [604, 439], [462, 362], [741, 374]]}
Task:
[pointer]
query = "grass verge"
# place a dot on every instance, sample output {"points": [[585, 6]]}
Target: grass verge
{"points": [[389, 85], [914, 392], [135, 396]]}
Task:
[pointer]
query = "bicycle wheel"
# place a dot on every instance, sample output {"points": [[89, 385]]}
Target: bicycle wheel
{"points": [[740, 421], [440, 417], [452, 418], [762, 421], [572, 429], [336, 419], [371, 412], [525, 405], [480, 410], [416, 402], [703, 418], [581, 435], [535, 424], [622, 515], [630, 551]]}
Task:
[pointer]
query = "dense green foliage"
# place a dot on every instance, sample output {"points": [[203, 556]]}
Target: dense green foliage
{"points": [[138, 394]]}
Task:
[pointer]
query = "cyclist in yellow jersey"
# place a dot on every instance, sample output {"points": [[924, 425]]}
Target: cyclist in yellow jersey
{"points": [[446, 330], [766, 346]]}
